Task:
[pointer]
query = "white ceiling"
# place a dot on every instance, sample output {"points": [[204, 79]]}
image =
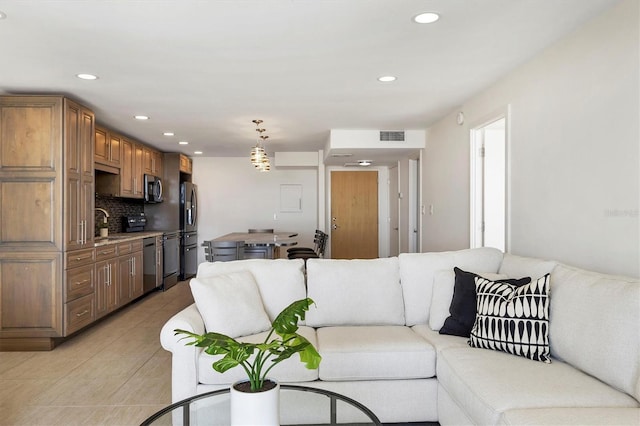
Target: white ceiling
{"points": [[205, 69]]}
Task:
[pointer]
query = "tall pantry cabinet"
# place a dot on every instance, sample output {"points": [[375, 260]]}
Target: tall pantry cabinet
{"points": [[46, 220]]}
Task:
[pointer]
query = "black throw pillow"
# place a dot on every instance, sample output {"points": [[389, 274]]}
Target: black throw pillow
{"points": [[462, 311]]}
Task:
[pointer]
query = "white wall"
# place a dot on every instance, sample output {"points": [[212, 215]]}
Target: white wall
{"points": [[574, 154], [233, 196]]}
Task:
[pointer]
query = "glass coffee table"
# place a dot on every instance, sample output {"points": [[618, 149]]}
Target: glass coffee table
{"points": [[299, 405]]}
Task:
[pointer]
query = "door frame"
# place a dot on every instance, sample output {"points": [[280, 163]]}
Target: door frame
{"points": [[501, 113]]}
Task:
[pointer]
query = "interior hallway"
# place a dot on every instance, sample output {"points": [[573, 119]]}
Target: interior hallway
{"points": [[114, 373]]}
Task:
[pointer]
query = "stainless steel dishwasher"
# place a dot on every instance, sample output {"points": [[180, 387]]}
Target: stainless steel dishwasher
{"points": [[171, 257], [149, 265]]}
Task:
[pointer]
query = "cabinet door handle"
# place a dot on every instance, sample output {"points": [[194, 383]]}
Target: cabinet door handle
{"points": [[85, 312]]}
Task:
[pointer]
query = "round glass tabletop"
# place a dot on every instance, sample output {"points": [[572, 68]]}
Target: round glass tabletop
{"points": [[299, 405]]}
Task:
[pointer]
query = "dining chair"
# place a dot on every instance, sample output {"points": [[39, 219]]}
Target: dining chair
{"points": [[316, 253], [316, 243]]}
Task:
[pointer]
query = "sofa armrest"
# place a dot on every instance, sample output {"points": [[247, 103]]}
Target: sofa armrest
{"points": [[184, 360]]}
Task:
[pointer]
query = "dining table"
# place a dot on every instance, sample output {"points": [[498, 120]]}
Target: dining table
{"points": [[262, 245]]}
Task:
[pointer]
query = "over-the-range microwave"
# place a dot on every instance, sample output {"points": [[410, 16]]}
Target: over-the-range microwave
{"points": [[152, 189]]}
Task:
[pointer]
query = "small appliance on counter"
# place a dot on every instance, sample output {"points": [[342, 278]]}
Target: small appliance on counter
{"points": [[134, 223]]}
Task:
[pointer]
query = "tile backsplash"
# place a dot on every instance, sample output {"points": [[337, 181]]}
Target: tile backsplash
{"points": [[117, 208]]}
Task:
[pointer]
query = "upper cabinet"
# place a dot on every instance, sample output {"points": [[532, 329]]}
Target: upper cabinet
{"points": [[152, 161], [185, 164], [107, 147], [125, 162], [131, 173]]}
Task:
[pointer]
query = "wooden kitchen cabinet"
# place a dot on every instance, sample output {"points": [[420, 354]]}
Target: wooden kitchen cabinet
{"points": [[186, 166], [79, 290], [131, 172], [106, 293], [130, 271], [79, 134], [107, 149], [46, 171], [152, 161]]}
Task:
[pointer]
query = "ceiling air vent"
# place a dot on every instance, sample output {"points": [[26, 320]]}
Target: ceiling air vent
{"points": [[391, 136]]}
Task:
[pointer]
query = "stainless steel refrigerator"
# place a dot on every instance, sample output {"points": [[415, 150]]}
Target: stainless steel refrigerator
{"points": [[189, 230]]}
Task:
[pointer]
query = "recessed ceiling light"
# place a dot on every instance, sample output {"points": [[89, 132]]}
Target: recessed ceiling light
{"points": [[141, 117], [168, 133], [183, 143], [2, 15], [197, 152], [364, 163], [426, 18], [87, 76], [386, 78]]}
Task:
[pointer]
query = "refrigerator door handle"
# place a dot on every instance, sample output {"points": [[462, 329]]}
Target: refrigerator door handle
{"points": [[194, 207]]}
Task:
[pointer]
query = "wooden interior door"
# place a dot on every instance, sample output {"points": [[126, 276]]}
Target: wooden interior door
{"points": [[354, 215]]}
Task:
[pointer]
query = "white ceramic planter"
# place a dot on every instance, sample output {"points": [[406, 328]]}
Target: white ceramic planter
{"points": [[258, 408], [104, 232]]}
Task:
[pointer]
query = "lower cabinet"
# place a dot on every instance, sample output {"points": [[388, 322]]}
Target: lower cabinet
{"points": [[130, 283], [79, 313], [118, 276], [106, 294], [79, 307]]}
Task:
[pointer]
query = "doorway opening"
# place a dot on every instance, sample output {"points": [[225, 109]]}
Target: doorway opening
{"points": [[489, 184]]}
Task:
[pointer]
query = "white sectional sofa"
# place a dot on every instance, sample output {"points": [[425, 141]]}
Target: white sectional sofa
{"points": [[376, 324]]}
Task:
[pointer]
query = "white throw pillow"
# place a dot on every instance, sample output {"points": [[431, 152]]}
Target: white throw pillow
{"points": [[230, 304]]}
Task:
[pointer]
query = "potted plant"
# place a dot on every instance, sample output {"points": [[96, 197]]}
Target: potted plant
{"points": [[257, 359]]}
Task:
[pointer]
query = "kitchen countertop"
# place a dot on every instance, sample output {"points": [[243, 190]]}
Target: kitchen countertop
{"points": [[124, 237]]}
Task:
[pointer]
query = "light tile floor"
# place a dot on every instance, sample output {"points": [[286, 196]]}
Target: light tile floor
{"points": [[114, 373]]}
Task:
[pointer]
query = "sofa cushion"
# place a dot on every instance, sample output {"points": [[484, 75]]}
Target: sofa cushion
{"points": [[280, 281], [595, 325], [417, 271], [463, 302], [374, 353], [442, 295], [519, 266], [290, 370], [437, 340], [354, 292], [596, 416], [230, 304], [513, 319], [486, 383]]}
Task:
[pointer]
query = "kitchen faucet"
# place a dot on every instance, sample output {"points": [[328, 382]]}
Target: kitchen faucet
{"points": [[106, 215]]}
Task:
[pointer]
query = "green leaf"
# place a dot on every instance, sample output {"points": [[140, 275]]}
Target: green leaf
{"points": [[269, 353], [287, 321]]}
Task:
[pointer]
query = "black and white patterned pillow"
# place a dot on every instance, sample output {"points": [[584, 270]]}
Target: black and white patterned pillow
{"points": [[513, 319]]}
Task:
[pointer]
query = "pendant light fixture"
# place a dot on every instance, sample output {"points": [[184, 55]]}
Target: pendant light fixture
{"points": [[259, 157]]}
